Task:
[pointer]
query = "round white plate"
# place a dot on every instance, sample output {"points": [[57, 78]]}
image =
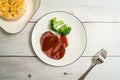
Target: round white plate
{"points": [[76, 38]]}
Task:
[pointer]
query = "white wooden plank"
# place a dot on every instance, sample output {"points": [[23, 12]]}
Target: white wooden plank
{"points": [[99, 35], [31, 68], [81, 2], [103, 35], [97, 13], [86, 10], [16, 44]]}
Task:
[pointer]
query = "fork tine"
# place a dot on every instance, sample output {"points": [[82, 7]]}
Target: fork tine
{"points": [[101, 56], [100, 60], [104, 53]]}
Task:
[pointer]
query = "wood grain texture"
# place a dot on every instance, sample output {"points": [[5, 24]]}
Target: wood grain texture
{"points": [[30, 68], [17, 44], [103, 35], [86, 10]]}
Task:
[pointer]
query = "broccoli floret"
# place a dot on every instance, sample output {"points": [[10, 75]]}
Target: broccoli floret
{"points": [[60, 27], [55, 24], [64, 30]]}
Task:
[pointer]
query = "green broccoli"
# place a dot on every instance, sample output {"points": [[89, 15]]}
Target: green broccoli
{"points": [[56, 24], [64, 30], [60, 27]]}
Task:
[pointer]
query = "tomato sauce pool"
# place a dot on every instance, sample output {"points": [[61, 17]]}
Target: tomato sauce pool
{"points": [[53, 46]]}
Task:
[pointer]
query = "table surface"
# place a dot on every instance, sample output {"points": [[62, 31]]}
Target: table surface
{"points": [[101, 19]]}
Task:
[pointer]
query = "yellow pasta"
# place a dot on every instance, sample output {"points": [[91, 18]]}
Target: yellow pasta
{"points": [[12, 9]]}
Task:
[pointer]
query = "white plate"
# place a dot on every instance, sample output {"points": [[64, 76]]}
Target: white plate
{"points": [[18, 25], [76, 38]]}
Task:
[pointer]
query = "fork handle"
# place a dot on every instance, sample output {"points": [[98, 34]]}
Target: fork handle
{"points": [[88, 70]]}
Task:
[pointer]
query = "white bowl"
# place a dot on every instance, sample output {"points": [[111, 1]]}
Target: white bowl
{"points": [[18, 25]]}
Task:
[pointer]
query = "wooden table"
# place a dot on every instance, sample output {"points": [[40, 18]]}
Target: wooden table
{"points": [[101, 19]]}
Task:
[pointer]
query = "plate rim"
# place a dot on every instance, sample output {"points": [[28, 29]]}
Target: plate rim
{"points": [[85, 38]]}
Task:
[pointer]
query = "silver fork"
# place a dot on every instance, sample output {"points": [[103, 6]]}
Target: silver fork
{"points": [[100, 58]]}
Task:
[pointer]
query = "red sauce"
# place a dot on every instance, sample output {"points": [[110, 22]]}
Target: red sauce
{"points": [[64, 40], [52, 46]]}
